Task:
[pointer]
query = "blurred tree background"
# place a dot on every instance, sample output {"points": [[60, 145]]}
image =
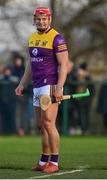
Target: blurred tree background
{"points": [[82, 22]]}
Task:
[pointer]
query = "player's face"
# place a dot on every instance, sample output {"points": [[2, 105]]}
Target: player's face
{"points": [[42, 22]]}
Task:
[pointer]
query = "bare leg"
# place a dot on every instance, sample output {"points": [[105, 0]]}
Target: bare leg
{"points": [[49, 119], [44, 134]]}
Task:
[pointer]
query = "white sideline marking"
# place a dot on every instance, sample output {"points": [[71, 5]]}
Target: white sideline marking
{"points": [[57, 174]]}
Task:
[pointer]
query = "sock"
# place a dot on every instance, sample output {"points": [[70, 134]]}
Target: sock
{"points": [[44, 159], [54, 159]]}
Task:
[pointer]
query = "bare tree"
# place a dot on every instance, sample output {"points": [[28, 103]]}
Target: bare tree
{"points": [[53, 5]]}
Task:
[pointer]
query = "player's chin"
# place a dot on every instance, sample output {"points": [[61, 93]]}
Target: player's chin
{"points": [[41, 29]]}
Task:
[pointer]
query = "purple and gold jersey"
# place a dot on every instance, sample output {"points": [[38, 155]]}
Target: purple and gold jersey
{"points": [[42, 50]]}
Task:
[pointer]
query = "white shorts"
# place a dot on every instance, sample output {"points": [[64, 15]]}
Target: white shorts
{"points": [[44, 90]]}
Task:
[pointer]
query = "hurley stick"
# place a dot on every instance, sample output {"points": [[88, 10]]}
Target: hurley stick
{"points": [[46, 100]]}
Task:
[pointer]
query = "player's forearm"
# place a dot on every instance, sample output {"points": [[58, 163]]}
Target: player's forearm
{"points": [[27, 75], [62, 76], [25, 79]]}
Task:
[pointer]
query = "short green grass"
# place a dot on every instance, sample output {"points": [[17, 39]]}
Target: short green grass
{"points": [[17, 155]]}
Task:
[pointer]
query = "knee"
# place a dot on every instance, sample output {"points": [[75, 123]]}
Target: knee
{"points": [[47, 124]]}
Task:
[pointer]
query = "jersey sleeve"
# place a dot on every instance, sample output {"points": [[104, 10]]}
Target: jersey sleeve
{"points": [[59, 44]]}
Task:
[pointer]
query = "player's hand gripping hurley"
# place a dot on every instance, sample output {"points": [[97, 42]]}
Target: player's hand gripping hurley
{"points": [[46, 100]]}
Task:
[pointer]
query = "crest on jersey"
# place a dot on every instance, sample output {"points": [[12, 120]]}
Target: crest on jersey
{"points": [[35, 51]]}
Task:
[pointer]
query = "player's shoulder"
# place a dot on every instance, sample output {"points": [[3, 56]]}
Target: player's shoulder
{"points": [[59, 43], [54, 31], [57, 34]]}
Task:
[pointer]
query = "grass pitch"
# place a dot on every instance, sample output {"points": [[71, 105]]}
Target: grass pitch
{"points": [[88, 154]]}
